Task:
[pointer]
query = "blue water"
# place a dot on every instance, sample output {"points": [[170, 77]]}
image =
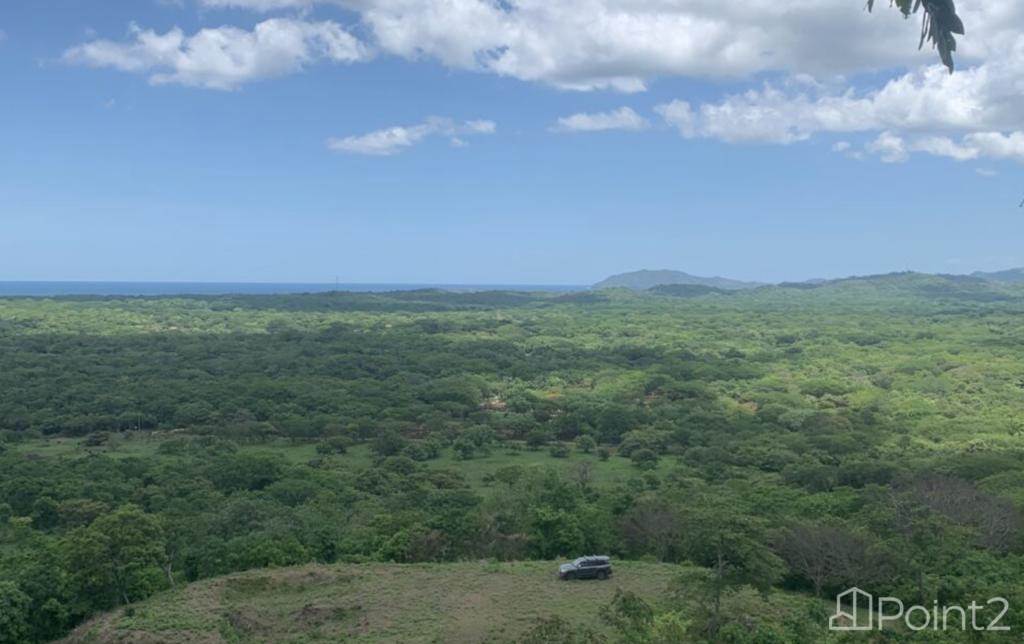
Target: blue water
{"points": [[52, 289]]}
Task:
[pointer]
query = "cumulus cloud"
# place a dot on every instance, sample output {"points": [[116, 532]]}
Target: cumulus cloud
{"points": [[623, 44], [258, 5], [973, 113], [892, 148], [226, 57], [621, 119], [393, 140], [263, 5], [889, 147]]}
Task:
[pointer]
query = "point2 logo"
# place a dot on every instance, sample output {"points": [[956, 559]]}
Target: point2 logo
{"points": [[857, 610]]}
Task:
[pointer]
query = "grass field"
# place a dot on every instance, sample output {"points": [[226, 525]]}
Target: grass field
{"points": [[450, 603]]}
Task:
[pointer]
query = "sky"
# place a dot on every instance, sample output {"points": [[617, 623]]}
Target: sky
{"points": [[503, 141]]}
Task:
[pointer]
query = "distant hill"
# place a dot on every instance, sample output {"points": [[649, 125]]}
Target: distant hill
{"points": [[643, 280], [910, 284], [1010, 276]]}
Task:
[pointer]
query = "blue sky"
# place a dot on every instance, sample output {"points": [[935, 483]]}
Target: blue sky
{"points": [[125, 161]]}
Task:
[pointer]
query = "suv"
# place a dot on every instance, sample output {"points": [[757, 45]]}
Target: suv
{"points": [[586, 568]]}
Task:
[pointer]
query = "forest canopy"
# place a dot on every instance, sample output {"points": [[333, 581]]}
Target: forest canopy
{"points": [[149, 442]]}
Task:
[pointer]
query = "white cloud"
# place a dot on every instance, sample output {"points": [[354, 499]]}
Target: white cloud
{"points": [[626, 44], [841, 146], [621, 119], [993, 145], [945, 147], [986, 172], [623, 44], [974, 113], [258, 5], [479, 127], [889, 147], [997, 145], [680, 115], [223, 58], [393, 140]]}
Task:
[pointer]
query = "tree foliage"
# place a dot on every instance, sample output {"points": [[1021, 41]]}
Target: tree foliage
{"points": [[940, 25], [154, 442]]}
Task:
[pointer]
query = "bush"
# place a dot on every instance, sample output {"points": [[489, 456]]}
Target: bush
{"points": [[96, 439], [604, 453], [333, 445], [585, 444], [558, 630], [464, 449], [656, 441], [423, 450], [645, 459], [537, 438], [560, 450], [388, 442]]}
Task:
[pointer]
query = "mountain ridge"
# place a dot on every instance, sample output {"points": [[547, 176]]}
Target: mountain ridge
{"points": [[645, 279], [1008, 276]]}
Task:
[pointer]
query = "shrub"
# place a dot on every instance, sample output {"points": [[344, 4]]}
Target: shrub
{"points": [[645, 459], [421, 451], [537, 438], [585, 444], [333, 445], [464, 449], [96, 439], [560, 450], [388, 443]]}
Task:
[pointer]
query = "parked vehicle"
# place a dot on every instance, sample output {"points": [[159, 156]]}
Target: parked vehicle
{"points": [[592, 567]]}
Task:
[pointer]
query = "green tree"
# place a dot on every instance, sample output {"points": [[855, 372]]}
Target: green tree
{"points": [[118, 559], [14, 614], [630, 616], [645, 459], [388, 442], [559, 450], [733, 546], [558, 630], [586, 444]]}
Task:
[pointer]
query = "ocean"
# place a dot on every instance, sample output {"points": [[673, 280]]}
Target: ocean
{"points": [[56, 289]]}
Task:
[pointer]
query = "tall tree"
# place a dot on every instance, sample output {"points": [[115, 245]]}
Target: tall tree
{"points": [[117, 559]]}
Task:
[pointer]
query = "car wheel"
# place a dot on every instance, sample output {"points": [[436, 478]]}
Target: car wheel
{"points": [[569, 576], [603, 574]]}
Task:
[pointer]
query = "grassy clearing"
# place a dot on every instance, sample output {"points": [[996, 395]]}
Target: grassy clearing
{"points": [[460, 602]]}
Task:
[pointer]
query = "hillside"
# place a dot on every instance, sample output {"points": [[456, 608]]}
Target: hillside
{"points": [[1010, 276], [643, 280], [920, 285], [687, 290], [460, 602]]}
